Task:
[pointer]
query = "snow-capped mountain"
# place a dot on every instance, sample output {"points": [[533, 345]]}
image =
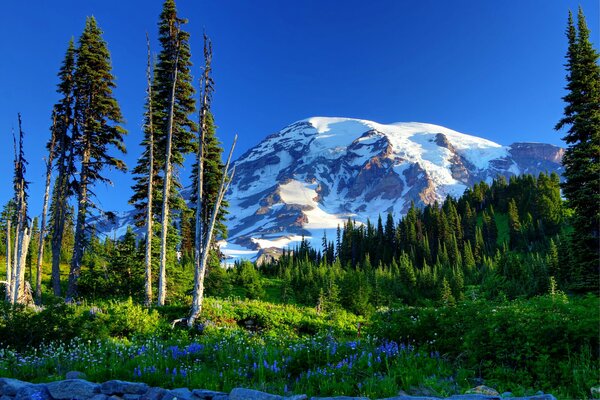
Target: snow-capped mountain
{"points": [[315, 173]]}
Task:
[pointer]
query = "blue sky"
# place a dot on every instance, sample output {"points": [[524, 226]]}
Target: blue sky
{"points": [[489, 68]]}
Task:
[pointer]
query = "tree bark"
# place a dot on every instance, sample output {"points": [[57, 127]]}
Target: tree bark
{"points": [[199, 273], [38, 281], [8, 261], [19, 284], [75, 269], [148, 258], [162, 277]]}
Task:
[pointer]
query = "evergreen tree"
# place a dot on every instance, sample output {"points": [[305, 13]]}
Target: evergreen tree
{"points": [[62, 121], [582, 156], [97, 116], [213, 173]]}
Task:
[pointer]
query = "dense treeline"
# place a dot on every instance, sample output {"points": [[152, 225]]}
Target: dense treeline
{"points": [[508, 238]]}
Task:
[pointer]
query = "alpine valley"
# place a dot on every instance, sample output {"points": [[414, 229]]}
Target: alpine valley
{"points": [[311, 176]]}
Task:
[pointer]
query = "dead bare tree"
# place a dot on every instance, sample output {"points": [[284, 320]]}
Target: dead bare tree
{"points": [[23, 232], [7, 283], [49, 160], [148, 257], [200, 271], [162, 272]]}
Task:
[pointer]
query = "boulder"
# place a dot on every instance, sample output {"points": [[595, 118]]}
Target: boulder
{"points": [[33, 392], [75, 375], [296, 397], [99, 396], [73, 389], [10, 387], [203, 394], [122, 387], [408, 397], [485, 390], [181, 393], [155, 393], [250, 394], [339, 398]]}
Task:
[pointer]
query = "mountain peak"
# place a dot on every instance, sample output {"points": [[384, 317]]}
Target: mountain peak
{"points": [[317, 172]]}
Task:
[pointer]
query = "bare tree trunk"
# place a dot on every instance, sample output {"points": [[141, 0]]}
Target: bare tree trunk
{"points": [[19, 286], [162, 277], [198, 295], [8, 261], [206, 97], [75, 269], [38, 281], [148, 260]]}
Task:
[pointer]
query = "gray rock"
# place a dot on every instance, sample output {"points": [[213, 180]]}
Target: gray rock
{"points": [[339, 398], [181, 393], [296, 397], [249, 394], [73, 389], [203, 394], [33, 392], [75, 375], [6, 397], [474, 397], [10, 387], [156, 393], [100, 397], [408, 397], [506, 395], [221, 397], [122, 387], [131, 396]]}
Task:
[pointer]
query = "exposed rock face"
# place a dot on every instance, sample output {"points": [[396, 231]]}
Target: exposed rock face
{"points": [[314, 174]]}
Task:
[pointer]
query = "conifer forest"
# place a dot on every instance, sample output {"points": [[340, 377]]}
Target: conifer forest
{"points": [[490, 291]]}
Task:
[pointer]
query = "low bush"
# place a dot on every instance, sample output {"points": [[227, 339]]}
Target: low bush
{"points": [[535, 343]]}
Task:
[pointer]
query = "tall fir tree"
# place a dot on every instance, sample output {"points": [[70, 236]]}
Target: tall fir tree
{"points": [[582, 156], [62, 128], [97, 129]]}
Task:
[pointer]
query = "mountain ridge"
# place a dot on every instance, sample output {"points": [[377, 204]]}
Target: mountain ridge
{"points": [[314, 174]]}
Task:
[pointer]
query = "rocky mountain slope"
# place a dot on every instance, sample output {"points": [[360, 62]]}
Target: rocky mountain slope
{"points": [[316, 173]]}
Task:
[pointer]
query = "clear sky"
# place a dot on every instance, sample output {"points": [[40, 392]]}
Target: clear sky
{"points": [[488, 68]]}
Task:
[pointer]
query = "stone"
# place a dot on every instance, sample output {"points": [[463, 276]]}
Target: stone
{"points": [[154, 393], [296, 397], [10, 387], [339, 398], [506, 395], [181, 393], [99, 396], [221, 397], [536, 397], [408, 397], [203, 394], [33, 392], [474, 397], [73, 389], [131, 396], [482, 389], [123, 387], [250, 394], [75, 375]]}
